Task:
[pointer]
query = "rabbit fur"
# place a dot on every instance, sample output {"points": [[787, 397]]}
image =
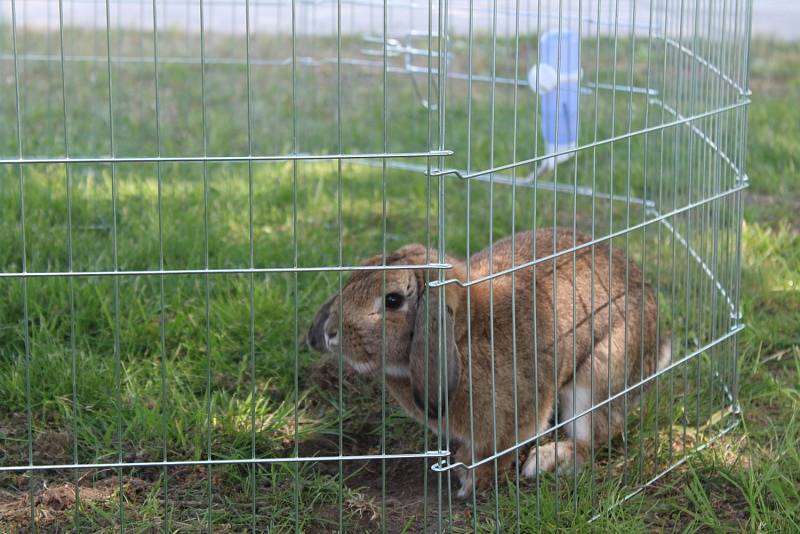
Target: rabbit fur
{"points": [[518, 329]]}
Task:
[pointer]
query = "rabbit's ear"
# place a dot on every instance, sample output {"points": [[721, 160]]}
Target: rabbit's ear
{"points": [[433, 345]]}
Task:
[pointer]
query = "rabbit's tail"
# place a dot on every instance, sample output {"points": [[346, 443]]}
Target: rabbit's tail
{"points": [[665, 353]]}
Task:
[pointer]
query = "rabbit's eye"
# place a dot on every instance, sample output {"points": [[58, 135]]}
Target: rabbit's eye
{"points": [[393, 301]]}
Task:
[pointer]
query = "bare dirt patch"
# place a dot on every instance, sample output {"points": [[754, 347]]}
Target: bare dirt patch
{"points": [[405, 490], [53, 506]]}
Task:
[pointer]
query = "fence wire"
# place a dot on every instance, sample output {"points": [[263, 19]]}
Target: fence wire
{"points": [[184, 183]]}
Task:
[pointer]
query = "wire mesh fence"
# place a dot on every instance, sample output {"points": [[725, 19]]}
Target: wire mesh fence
{"points": [[191, 335]]}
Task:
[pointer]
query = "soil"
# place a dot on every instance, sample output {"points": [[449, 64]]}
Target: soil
{"points": [[52, 504], [408, 506]]}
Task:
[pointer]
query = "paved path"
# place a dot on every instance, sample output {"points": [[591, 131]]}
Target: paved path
{"points": [[777, 18]]}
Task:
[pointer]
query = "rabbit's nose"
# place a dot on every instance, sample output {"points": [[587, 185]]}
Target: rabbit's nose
{"points": [[332, 339]]}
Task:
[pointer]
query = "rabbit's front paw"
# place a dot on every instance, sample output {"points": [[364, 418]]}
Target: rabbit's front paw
{"points": [[477, 479], [465, 479]]}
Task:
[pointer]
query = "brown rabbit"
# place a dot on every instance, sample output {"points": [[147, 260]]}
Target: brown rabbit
{"points": [[508, 329]]}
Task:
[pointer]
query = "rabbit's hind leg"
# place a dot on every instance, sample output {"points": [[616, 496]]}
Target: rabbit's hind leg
{"points": [[555, 456], [574, 399]]}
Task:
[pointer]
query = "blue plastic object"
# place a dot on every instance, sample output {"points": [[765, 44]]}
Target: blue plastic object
{"points": [[558, 74]]}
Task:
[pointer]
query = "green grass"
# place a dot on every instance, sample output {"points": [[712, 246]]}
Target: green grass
{"points": [[138, 368]]}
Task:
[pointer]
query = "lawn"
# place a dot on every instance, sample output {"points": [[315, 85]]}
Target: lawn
{"points": [[142, 368]]}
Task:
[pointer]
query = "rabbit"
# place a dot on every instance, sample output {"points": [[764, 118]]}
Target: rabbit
{"points": [[531, 345]]}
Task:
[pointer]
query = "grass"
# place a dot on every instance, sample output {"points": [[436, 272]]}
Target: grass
{"points": [[140, 368]]}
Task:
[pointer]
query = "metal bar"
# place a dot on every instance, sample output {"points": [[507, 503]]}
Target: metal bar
{"points": [[385, 145], [469, 156], [594, 260], [554, 299], [212, 158], [608, 237], [717, 320], [703, 136], [693, 83], [441, 245], [295, 251], [711, 68], [609, 346], [660, 197], [610, 140], [237, 270], [206, 254], [491, 332], [308, 61], [530, 181], [673, 286], [162, 320], [738, 199], [693, 253], [513, 277], [71, 284], [251, 263], [574, 291], [626, 305], [534, 308], [340, 259], [232, 461], [428, 246], [115, 263], [24, 261]]}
